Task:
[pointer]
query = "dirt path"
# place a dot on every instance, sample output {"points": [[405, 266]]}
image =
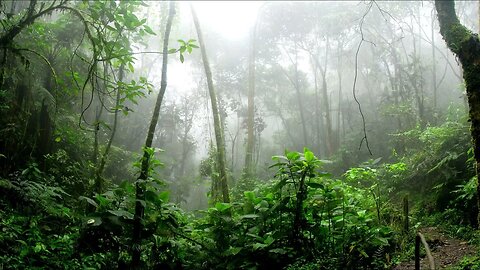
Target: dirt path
{"points": [[446, 251]]}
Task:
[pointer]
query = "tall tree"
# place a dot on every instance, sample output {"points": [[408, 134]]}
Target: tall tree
{"points": [[466, 46], [140, 183], [220, 184], [249, 170]]}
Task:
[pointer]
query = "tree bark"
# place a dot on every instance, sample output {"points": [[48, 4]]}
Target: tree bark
{"points": [[434, 64], [220, 183], [140, 183], [249, 170], [466, 46]]}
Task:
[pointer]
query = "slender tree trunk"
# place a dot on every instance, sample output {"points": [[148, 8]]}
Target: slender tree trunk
{"points": [[185, 149], [466, 46], [326, 103], [434, 64], [318, 116], [140, 183], [339, 107], [98, 113], [98, 175], [301, 108], [249, 170], [222, 183]]}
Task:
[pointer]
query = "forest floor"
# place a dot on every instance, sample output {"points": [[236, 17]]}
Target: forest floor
{"points": [[446, 251]]}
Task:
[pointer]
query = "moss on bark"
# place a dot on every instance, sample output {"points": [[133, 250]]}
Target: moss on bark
{"points": [[466, 46]]}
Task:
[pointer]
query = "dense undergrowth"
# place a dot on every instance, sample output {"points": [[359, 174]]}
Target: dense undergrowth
{"points": [[303, 218]]}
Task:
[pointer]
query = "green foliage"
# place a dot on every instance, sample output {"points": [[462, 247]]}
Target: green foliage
{"points": [[258, 231], [470, 262], [185, 46]]}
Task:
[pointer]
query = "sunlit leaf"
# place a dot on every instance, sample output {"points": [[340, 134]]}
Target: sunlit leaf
{"points": [[222, 206]]}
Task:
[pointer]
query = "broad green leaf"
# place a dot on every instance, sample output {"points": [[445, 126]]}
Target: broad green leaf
{"points": [[151, 196], [121, 213], [279, 157], [148, 30], [102, 200], [293, 156], [269, 240], [258, 246], [315, 185], [22, 242], [222, 206], [233, 250], [278, 250], [309, 156], [250, 216], [90, 201], [250, 195], [164, 196]]}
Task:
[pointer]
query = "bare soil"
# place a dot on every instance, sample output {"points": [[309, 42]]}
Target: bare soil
{"points": [[446, 251]]}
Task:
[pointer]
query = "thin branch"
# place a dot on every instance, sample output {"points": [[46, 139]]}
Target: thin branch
{"points": [[365, 138]]}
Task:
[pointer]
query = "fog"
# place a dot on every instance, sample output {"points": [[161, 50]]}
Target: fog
{"points": [[301, 50], [340, 78]]}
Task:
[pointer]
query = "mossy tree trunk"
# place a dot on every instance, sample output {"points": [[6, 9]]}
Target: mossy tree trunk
{"points": [[220, 184], [466, 47], [140, 183]]}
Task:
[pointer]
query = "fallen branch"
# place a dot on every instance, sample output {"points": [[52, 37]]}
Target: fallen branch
{"points": [[420, 238]]}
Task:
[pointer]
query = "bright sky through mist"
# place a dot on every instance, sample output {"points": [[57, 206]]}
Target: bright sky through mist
{"points": [[232, 19]]}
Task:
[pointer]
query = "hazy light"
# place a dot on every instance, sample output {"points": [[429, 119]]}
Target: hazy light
{"points": [[232, 19]]}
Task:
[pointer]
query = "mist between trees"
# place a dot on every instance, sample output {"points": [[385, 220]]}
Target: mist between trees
{"points": [[150, 127]]}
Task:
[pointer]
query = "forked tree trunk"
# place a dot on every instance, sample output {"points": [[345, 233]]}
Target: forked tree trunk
{"points": [[466, 46], [220, 184], [140, 183]]}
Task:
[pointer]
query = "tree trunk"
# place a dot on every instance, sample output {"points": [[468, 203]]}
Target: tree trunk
{"points": [[318, 116], [221, 182], [98, 175], [339, 106], [249, 170], [434, 64], [325, 101], [301, 108], [140, 183], [466, 46]]}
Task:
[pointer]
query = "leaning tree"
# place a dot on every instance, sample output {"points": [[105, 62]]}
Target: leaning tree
{"points": [[466, 46]]}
